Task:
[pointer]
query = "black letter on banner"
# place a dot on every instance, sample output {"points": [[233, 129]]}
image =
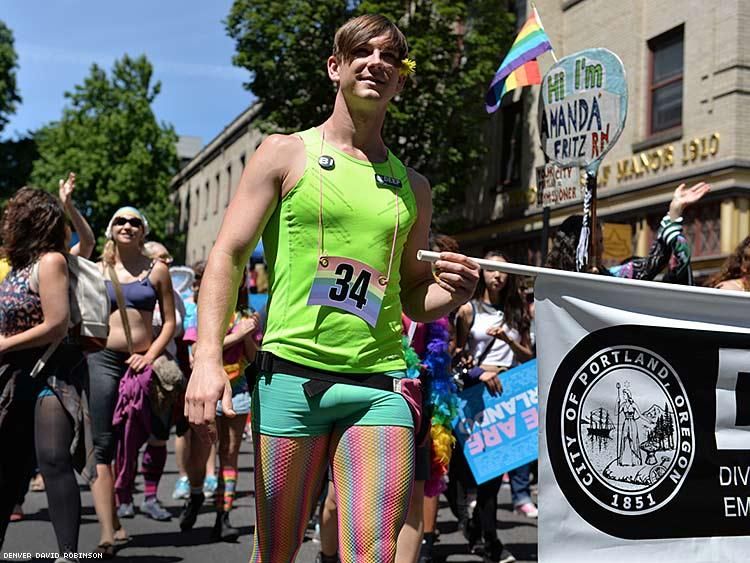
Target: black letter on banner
{"points": [[742, 396]]}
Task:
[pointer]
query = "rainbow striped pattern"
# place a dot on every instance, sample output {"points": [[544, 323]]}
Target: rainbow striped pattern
{"points": [[331, 277], [373, 472], [288, 476], [519, 68], [224, 496]]}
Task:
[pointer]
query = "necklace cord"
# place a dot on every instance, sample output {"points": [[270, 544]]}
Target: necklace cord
{"points": [[321, 251], [321, 248]]}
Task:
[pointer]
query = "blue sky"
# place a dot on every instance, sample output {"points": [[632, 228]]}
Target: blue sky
{"points": [[58, 40]]}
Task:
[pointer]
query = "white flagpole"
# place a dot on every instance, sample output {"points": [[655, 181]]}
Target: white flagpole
{"points": [[493, 266], [539, 19]]}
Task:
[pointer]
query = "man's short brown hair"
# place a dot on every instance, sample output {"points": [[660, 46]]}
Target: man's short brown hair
{"points": [[360, 30]]}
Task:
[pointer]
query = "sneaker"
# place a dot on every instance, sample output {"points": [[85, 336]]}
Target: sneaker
{"points": [[223, 530], [504, 557], [210, 484], [190, 512], [152, 508], [527, 509], [126, 510], [181, 489], [496, 553]]}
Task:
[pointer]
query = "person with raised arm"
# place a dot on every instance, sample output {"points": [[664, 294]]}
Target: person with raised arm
{"points": [[86, 241]]}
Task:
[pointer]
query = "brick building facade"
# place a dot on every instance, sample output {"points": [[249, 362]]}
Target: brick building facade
{"points": [[688, 71]]}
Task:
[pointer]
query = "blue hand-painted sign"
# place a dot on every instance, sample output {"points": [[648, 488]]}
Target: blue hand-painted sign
{"points": [[500, 433]]}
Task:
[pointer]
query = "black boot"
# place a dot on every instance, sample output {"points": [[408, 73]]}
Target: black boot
{"points": [[190, 512], [425, 552], [216, 530], [223, 530]]}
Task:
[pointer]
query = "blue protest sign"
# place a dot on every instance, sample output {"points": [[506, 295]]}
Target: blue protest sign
{"points": [[500, 433]]}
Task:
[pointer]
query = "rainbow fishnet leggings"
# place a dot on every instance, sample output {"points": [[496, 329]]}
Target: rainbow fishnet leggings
{"points": [[373, 470]]}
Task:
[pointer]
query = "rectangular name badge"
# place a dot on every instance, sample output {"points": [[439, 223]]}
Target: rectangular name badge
{"points": [[387, 181], [349, 285]]}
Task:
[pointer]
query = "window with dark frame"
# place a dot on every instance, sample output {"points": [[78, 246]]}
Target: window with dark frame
{"points": [[217, 197], [665, 80], [207, 200], [184, 218], [196, 205], [230, 187]]}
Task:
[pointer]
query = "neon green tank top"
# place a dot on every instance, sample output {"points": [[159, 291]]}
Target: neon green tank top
{"points": [[359, 218]]}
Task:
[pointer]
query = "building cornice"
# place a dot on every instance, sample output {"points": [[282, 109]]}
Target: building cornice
{"points": [[236, 128]]}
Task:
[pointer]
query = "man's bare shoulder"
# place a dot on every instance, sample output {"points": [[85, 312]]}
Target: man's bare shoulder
{"points": [[280, 148], [278, 141]]}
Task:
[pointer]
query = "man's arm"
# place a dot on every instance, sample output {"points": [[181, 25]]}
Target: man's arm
{"points": [[425, 298], [257, 195]]}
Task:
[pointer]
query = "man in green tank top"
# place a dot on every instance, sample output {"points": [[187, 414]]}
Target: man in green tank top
{"points": [[342, 220]]}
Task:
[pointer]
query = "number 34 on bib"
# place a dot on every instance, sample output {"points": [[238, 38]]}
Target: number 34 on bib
{"points": [[348, 285]]}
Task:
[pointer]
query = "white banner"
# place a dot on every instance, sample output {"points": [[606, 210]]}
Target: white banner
{"points": [[644, 393]]}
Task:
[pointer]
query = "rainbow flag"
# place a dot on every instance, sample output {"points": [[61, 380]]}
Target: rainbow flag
{"points": [[519, 68]]}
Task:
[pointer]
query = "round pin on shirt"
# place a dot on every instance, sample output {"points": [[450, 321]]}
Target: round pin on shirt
{"points": [[326, 162]]}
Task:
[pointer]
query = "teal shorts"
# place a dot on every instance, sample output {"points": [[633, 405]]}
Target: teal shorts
{"points": [[281, 408]]}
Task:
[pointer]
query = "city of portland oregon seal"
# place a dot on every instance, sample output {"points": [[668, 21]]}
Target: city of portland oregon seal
{"points": [[627, 430]]}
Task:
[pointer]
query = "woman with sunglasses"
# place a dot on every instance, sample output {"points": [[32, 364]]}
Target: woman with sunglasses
{"points": [[143, 283]]}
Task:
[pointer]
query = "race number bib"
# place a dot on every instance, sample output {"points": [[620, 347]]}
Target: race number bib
{"points": [[349, 285]]}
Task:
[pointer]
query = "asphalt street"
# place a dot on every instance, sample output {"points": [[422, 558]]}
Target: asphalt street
{"points": [[163, 542]]}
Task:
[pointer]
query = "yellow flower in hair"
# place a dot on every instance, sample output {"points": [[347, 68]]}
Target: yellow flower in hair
{"points": [[408, 67]]}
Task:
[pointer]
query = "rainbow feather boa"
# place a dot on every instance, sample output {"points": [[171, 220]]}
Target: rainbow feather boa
{"points": [[442, 397]]}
